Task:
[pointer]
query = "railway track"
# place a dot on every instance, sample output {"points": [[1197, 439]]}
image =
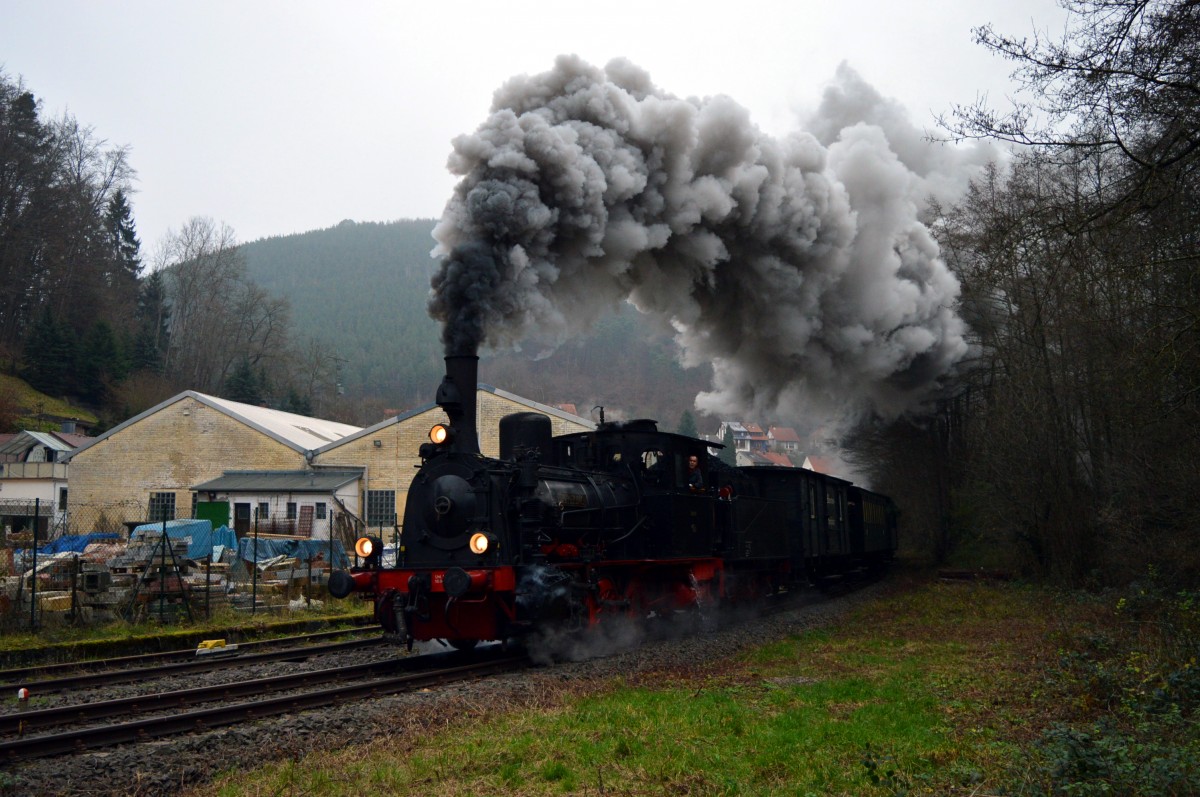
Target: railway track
{"points": [[195, 665], [23, 676], [355, 682]]}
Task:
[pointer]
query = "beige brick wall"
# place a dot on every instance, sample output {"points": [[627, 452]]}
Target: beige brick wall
{"points": [[189, 442], [392, 464], [172, 450], [493, 407]]}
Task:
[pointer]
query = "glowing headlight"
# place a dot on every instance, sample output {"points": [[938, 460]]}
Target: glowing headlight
{"points": [[439, 434], [479, 543], [364, 547]]}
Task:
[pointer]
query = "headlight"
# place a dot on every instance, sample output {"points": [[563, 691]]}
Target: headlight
{"points": [[439, 434], [479, 543], [364, 547]]}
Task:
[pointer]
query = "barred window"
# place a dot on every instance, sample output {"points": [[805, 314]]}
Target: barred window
{"points": [[62, 499], [162, 507], [264, 510], [381, 507], [291, 510], [320, 511]]}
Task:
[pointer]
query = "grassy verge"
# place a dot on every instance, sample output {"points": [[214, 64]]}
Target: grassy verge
{"points": [[932, 689], [66, 642]]}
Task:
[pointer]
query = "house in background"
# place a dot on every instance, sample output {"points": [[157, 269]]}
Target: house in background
{"points": [[33, 480], [763, 459], [301, 503], [741, 437], [783, 439], [819, 464], [756, 438]]}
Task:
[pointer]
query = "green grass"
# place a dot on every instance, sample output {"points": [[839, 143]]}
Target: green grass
{"points": [[63, 641], [31, 402], [924, 691]]}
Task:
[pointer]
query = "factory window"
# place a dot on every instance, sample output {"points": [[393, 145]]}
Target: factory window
{"points": [[162, 507], [291, 510], [320, 511], [381, 507]]}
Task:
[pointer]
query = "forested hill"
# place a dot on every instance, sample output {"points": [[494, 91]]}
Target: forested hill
{"points": [[362, 289]]}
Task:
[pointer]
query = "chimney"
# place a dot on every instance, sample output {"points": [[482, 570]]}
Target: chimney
{"points": [[456, 396]]}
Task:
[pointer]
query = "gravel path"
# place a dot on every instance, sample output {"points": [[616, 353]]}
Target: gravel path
{"points": [[172, 766]]}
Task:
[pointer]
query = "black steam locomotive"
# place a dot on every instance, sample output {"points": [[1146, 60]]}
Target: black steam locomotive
{"points": [[564, 532]]}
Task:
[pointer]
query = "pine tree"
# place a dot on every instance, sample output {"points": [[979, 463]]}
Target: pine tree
{"points": [[294, 402], [728, 454], [243, 384], [687, 424], [49, 354], [153, 320], [123, 240], [100, 364]]}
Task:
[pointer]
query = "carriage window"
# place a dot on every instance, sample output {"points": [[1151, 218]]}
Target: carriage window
{"points": [[657, 466]]}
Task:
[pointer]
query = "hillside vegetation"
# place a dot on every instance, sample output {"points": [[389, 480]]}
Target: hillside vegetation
{"points": [[22, 407], [362, 289]]}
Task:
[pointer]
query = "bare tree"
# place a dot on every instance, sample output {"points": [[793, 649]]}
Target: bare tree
{"points": [[218, 317]]}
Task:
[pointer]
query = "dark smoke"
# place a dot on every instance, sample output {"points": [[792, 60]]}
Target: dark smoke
{"points": [[798, 268]]}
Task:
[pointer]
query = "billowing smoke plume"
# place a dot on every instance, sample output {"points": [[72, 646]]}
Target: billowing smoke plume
{"points": [[798, 268]]}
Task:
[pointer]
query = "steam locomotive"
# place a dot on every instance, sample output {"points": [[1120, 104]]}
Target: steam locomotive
{"points": [[564, 532]]}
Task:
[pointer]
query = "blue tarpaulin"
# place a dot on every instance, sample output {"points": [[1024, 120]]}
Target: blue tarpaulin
{"points": [[204, 536], [297, 549], [73, 542]]}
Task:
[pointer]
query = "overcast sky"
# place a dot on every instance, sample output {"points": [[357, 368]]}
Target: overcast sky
{"points": [[281, 117]]}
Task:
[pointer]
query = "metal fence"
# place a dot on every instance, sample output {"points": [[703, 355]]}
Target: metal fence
{"points": [[151, 577]]}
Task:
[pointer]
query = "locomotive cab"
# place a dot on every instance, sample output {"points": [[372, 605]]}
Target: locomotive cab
{"points": [[676, 518]]}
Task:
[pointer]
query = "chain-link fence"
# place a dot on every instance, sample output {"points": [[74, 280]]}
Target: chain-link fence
{"points": [[107, 564]]}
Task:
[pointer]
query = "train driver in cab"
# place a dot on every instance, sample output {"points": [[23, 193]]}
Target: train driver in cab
{"points": [[695, 479]]}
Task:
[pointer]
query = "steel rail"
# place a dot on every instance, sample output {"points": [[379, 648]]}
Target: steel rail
{"points": [[202, 720], [197, 664], [18, 676], [23, 722]]}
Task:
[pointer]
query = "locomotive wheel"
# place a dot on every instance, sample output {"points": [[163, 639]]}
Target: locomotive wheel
{"points": [[707, 608], [604, 601], [463, 644]]}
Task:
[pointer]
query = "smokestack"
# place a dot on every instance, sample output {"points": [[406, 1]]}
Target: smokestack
{"points": [[456, 396]]}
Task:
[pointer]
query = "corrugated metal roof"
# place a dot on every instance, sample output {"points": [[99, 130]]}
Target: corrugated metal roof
{"points": [[307, 433], [298, 432], [24, 440], [279, 481], [49, 440]]}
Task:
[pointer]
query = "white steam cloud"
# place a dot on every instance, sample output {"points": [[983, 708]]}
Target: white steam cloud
{"points": [[798, 267]]}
